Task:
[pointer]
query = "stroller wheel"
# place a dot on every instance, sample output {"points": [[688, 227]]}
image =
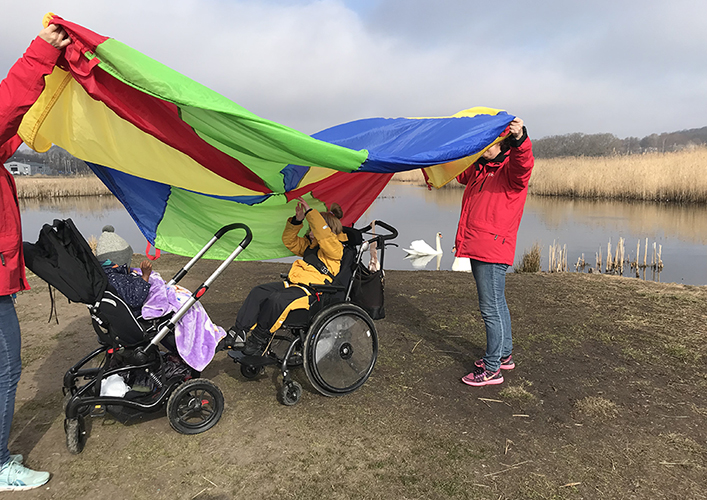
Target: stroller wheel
{"points": [[341, 349], [251, 372], [195, 406], [75, 429], [290, 393]]}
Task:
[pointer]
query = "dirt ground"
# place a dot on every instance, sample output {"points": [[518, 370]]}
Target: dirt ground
{"points": [[607, 401]]}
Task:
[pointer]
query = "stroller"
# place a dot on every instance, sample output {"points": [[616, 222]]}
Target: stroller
{"points": [[129, 350], [335, 339]]}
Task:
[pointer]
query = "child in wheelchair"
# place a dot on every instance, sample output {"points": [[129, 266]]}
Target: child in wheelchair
{"points": [[267, 305]]}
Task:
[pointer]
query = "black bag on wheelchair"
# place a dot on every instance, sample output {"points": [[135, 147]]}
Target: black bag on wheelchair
{"points": [[367, 291]]}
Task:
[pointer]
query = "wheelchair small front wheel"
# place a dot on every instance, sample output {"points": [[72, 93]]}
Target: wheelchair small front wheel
{"points": [[341, 349], [195, 406], [290, 393], [250, 372]]}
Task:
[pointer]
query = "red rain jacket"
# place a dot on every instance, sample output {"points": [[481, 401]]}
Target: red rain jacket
{"points": [[18, 91], [493, 203]]}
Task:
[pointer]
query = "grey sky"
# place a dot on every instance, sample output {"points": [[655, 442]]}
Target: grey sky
{"points": [[629, 68]]}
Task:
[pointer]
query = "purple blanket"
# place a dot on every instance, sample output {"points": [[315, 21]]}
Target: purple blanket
{"points": [[195, 334]]}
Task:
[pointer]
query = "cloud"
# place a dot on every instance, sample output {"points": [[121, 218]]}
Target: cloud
{"points": [[629, 68]]}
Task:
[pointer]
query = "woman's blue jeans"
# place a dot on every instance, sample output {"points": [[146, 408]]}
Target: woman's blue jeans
{"points": [[491, 287], [10, 368]]}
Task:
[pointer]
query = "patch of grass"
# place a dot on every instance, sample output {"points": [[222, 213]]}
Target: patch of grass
{"points": [[33, 353], [518, 393], [683, 443], [681, 352], [530, 261], [597, 407], [640, 355], [700, 410]]}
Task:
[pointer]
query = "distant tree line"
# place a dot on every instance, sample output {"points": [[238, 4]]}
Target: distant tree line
{"points": [[60, 161], [576, 144], [608, 144]]}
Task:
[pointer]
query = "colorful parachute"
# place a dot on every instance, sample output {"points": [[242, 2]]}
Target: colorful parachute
{"points": [[185, 161]]}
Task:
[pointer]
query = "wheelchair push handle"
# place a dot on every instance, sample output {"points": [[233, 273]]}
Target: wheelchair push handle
{"points": [[381, 238], [393, 232]]}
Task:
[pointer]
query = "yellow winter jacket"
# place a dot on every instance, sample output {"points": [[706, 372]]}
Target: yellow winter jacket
{"points": [[331, 249]]}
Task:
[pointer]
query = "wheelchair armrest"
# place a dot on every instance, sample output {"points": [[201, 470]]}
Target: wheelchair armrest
{"points": [[326, 288]]}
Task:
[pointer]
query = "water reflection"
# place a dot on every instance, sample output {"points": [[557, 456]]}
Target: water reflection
{"points": [[89, 213], [689, 223], [421, 261], [585, 226], [70, 205]]}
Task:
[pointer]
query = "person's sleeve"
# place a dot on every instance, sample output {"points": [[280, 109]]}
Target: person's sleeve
{"points": [[22, 86], [464, 177], [328, 241], [521, 161], [294, 243]]}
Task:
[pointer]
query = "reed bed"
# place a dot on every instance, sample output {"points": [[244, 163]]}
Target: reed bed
{"points": [[42, 187], [674, 177]]}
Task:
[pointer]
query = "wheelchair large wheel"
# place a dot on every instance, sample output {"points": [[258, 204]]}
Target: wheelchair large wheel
{"points": [[195, 406], [341, 349]]}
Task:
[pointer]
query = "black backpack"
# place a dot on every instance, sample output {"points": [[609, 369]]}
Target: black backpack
{"points": [[62, 257]]}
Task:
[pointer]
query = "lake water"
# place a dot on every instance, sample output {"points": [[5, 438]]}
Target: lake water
{"points": [[584, 226]]}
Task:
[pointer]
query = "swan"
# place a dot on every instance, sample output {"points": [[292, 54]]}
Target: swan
{"points": [[419, 247]]}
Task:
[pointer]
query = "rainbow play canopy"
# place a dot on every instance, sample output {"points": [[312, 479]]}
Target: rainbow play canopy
{"points": [[185, 161]]}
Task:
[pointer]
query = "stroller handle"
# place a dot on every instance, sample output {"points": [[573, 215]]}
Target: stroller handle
{"points": [[241, 246], [203, 288], [237, 225]]}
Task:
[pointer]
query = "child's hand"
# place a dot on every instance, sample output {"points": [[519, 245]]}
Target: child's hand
{"points": [[146, 268], [304, 203], [301, 210]]}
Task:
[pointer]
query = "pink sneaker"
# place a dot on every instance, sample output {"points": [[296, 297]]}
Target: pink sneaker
{"points": [[506, 363], [481, 376]]}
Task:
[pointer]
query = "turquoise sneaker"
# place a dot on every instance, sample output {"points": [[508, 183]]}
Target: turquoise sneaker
{"points": [[16, 458], [16, 477]]}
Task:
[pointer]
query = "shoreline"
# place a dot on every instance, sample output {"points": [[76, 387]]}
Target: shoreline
{"points": [[674, 178]]}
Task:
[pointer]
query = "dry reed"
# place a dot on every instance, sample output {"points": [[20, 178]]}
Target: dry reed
{"points": [[677, 177], [557, 258], [53, 187], [530, 262]]}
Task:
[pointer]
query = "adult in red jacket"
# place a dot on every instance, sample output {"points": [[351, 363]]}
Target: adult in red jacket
{"points": [[18, 91], [492, 206]]}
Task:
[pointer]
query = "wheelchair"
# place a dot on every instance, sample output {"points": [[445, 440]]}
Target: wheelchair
{"points": [[335, 339]]}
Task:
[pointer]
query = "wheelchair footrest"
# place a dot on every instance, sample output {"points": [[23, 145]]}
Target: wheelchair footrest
{"points": [[254, 361]]}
